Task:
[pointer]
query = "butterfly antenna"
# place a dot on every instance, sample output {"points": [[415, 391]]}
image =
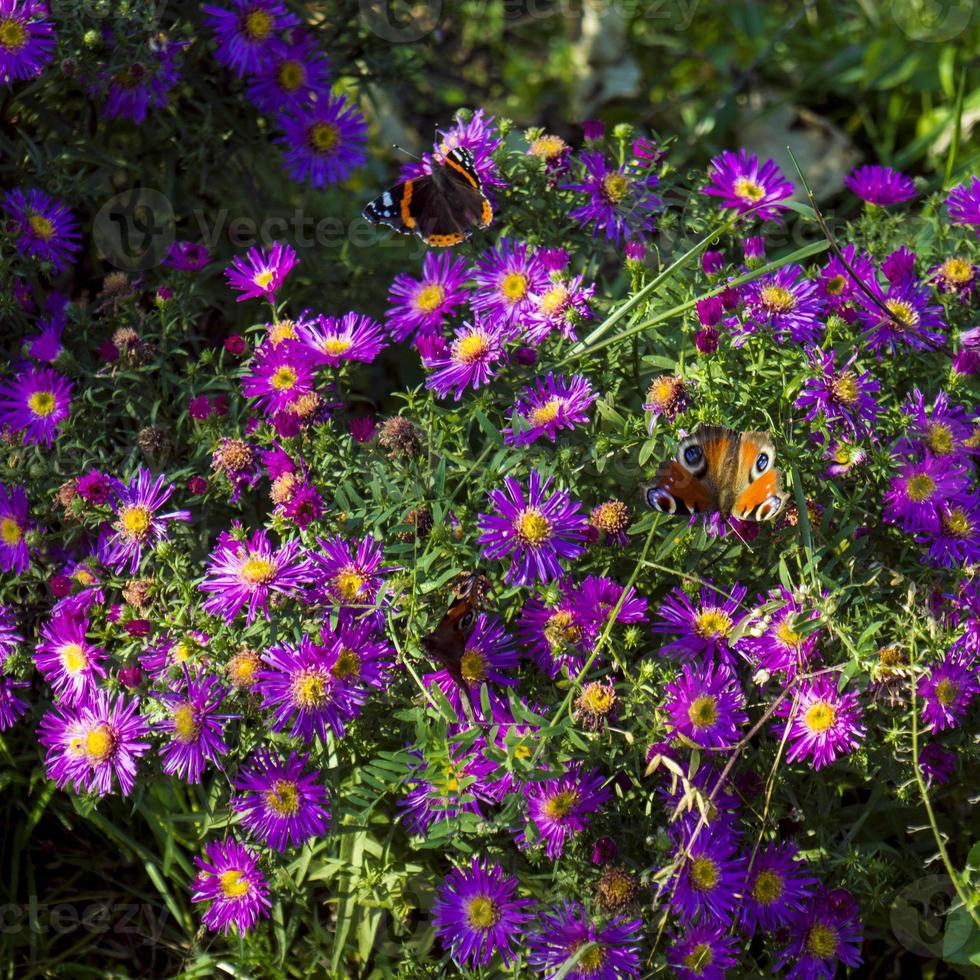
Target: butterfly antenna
{"points": [[738, 535], [408, 153]]}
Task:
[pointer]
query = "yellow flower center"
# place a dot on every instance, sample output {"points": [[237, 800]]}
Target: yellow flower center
{"points": [[242, 668], [514, 286], [181, 652], [335, 346], [903, 311], [777, 299], [186, 724], [921, 487], [482, 912], [135, 521], [703, 712], [283, 798], [615, 187], [835, 285], [257, 571], [41, 403], [532, 527], [41, 227], [264, 279], [348, 665], [822, 941], [561, 629], [13, 34], [348, 584], [429, 298], [845, 388], [99, 743], [553, 300], [73, 657], [83, 576], [699, 958], [561, 804], [309, 689], [940, 439], [598, 699], [473, 665], [257, 25], [749, 190], [662, 391], [956, 524], [768, 887], [547, 147], [713, 622], [820, 716], [946, 691], [10, 531], [704, 873], [591, 961], [283, 330], [957, 271], [292, 74], [546, 412], [787, 634], [470, 348], [233, 884], [325, 137], [284, 378]]}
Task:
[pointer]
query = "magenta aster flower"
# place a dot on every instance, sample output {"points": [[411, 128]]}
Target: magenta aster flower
{"points": [[777, 889], [554, 636], [746, 187], [703, 628], [839, 287], [229, 878], [787, 303], [825, 935], [43, 228], [559, 308], [880, 186], [364, 658], [138, 526], [279, 803], [477, 915], [352, 337], [280, 375], [67, 661], [12, 707], [941, 429], [957, 541], [843, 399], [913, 322], [9, 637], [505, 280], [535, 530], [704, 952], [247, 33], [14, 524], [708, 882], [89, 745], [26, 39], [955, 275], [35, 403], [706, 706], [424, 305], [781, 647], [291, 75], [823, 724], [947, 692], [595, 598], [469, 361], [550, 404], [324, 141], [963, 203], [559, 807], [921, 487], [136, 88], [937, 764], [615, 954], [346, 577], [261, 273], [187, 256], [478, 134], [245, 574], [620, 201]]}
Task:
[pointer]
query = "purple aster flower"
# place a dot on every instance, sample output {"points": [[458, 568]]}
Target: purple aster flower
{"points": [[880, 186], [915, 495], [559, 807], [365, 658], [552, 403], [937, 764], [911, 323], [788, 303], [706, 706], [941, 429], [782, 647], [324, 142], [194, 726], [565, 302], [42, 227], [535, 530], [777, 889], [708, 882], [11, 706], [947, 691], [230, 879], [14, 524], [90, 744], [142, 85], [477, 915], [595, 598], [352, 337], [562, 932], [899, 266], [301, 691], [26, 39], [826, 934], [9, 637], [479, 135], [963, 204], [279, 803], [291, 76], [554, 635], [667, 397], [35, 403], [743, 185], [704, 627], [957, 541], [469, 362], [956, 275], [620, 201], [425, 304], [345, 577], [845, 456], [244, 575], [840, 287], [823, 724], [280, 375], [261, 273], [506, 280], [843, 399], [67, 661], [138, 526], [247, 33], [187, 256], [704, 952]]}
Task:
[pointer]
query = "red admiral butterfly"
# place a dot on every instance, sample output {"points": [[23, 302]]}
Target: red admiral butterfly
{"points": [[442, 208]]}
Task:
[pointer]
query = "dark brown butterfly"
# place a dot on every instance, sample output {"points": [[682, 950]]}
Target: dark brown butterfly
{"points": [[447, 642]]}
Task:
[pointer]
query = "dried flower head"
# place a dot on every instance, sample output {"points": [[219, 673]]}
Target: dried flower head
{"points": [[400, 437]]}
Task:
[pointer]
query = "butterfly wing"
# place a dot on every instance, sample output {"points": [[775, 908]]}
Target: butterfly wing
{"points": [[759, 495], [675, 490]]}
